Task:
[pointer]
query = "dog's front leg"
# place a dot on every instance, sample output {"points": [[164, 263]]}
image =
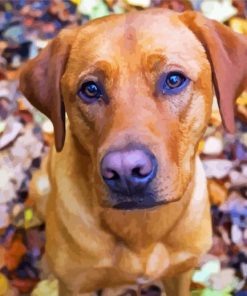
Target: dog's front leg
{"points": [[179, 285]]}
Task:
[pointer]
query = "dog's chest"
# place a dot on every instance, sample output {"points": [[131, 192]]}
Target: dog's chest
{"points": [[145, 264]]}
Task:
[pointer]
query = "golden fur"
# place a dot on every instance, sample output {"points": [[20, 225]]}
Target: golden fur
{"points": [[90, 245]]}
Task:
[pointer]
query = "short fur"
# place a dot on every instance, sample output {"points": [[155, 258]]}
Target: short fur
{"points": [[90, 245]]}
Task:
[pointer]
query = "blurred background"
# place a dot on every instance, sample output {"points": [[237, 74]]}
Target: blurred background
{"points": [[26, 135]]}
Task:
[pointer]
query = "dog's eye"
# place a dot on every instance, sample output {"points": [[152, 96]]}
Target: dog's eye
{"points": [[174, 80], [174, 83], [89, 92]]}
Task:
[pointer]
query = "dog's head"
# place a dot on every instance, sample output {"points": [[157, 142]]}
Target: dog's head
{"points": [[138, 89]]}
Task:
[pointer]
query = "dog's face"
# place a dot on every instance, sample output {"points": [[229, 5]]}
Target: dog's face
{"points": [[137, 89], [138, 97]]}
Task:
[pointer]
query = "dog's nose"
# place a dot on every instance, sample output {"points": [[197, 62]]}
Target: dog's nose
{"points": [[128, 171]]}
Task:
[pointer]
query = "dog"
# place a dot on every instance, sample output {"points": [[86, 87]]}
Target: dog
{"points": [[128, 201]]}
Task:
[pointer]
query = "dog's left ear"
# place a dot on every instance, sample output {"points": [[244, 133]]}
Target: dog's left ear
{"points": [[227, 53], [40, 81]]}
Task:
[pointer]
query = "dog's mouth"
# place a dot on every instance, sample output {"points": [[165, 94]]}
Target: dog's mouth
{"points": [[135, 205], [142, 200]]}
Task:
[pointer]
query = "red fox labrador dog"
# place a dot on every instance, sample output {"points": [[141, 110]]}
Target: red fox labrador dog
{"points": [[128, 201]]}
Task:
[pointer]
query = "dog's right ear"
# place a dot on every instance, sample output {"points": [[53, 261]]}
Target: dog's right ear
{"points": [[40, 81]]}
